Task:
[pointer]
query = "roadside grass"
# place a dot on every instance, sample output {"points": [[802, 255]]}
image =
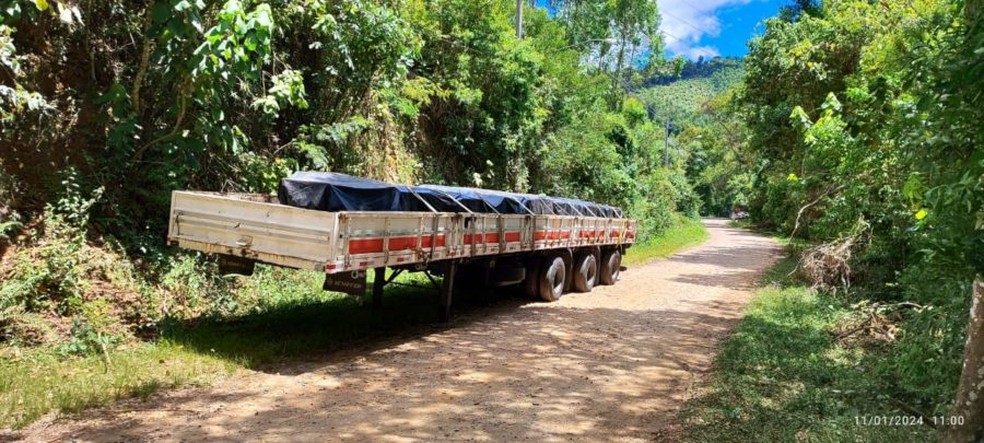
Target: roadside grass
{"points": [[33, 384], [283, 315], [312, 321], [292, 317], [684, 233], [785, 376], [743, 223]]}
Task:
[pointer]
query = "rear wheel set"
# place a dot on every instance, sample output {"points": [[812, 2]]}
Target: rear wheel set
{"points": [[585, 272], [546, 276]]}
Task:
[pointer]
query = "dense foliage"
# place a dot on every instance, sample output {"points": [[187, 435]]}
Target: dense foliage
{"points": [[107, 107], [858, 128]]}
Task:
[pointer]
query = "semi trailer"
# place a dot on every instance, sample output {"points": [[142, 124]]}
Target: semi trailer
{"points": [[344, 226]]}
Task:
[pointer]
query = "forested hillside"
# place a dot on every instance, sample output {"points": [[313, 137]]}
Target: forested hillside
{"points": [[690, 102], [681, 99]]}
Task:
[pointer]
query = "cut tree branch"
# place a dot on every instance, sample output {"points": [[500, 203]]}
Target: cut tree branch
{"points": [[809, 205], [182, 108]]}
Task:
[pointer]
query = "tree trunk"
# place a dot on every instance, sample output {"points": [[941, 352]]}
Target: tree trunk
{"points": [[969, 403], [615, 103]]}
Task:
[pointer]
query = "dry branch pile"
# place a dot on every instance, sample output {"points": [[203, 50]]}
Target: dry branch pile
{"points": [[827, 266]]}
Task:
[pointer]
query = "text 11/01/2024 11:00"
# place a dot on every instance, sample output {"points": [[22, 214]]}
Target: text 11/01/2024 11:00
{"points": [[907, 420]]}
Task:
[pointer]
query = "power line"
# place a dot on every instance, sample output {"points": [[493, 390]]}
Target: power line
{"points": [[692, 8], [696, 28], [671, 35]]}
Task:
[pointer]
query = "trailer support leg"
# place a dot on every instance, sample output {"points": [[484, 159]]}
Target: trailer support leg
{"points": [[447, 287], [377, 288]]}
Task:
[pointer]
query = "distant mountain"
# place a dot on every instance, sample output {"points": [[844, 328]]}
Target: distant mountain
{"points": [[679, 99], [699, 68]]}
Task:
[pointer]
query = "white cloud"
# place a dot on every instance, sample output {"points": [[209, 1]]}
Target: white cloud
{"points": [[685, 22], [700, 51]]}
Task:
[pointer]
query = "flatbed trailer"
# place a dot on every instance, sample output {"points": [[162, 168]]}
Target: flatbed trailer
{"points": [[547, 254]]}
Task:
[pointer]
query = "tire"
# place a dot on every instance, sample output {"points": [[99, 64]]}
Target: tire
{"points": [[531, 285], [611, 267], [585, 273], [553, 275]]}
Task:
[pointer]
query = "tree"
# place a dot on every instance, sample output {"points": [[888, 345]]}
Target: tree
{"points": [[968, 402], [623, 31], [968, 406]]}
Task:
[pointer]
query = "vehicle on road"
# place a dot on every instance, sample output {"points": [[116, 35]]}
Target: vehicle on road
{"points": [[546, 244]]}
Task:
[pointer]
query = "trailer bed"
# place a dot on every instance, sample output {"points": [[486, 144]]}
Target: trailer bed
{"points": [[257, 227]]}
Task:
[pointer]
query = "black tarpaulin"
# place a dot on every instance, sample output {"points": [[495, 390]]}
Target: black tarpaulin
{"points": [[540, 204], [330, 191], [482, 200]]}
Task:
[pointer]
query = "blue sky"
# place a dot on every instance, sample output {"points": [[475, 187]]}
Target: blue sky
{"points": [[693, 28]]}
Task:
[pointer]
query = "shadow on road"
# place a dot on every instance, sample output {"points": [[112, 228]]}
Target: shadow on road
{"points": [[505, 373]]}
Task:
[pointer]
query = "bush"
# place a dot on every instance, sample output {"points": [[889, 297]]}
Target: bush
{"points": [[192, 287], [772, 206], [51, 276], [687, 201], [10, 220]]}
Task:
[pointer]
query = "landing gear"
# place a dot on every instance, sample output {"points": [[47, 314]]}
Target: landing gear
{"points": [[447, 289]]}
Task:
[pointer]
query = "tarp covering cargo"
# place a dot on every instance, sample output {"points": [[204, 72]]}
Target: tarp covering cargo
{"points": [[482, 200], [329, 191]]}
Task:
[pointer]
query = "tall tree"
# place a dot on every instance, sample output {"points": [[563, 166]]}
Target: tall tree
{"points": [[620, 33]]}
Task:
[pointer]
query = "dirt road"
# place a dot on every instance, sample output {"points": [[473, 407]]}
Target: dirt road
{"points": [[611, 365]]}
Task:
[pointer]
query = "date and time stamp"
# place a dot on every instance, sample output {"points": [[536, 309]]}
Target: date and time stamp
{"points": [[908, 420]]}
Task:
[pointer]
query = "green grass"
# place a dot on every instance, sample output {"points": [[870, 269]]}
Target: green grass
{"points": [[684, 233], [31, 385], [784, 376], [291, 316], [313, 321]]}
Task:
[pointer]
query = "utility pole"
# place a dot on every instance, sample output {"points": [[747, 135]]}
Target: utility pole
{"points": [[519, 18], [666, 149]]}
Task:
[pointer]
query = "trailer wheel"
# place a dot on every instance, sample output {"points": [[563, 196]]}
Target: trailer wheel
{"points": [[611, 267], [531, 285], [585, 272], [553, 275]]}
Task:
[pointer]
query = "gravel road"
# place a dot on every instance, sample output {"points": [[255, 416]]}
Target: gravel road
{"points": [[615, 364]]}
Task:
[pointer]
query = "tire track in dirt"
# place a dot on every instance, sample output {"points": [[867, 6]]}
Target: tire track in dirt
{"points": [[615, 364]]}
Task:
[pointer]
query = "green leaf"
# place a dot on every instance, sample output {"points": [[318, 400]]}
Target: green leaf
{"points": [[921, 214], [42, 5], [263, 16], [251, 42]]}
